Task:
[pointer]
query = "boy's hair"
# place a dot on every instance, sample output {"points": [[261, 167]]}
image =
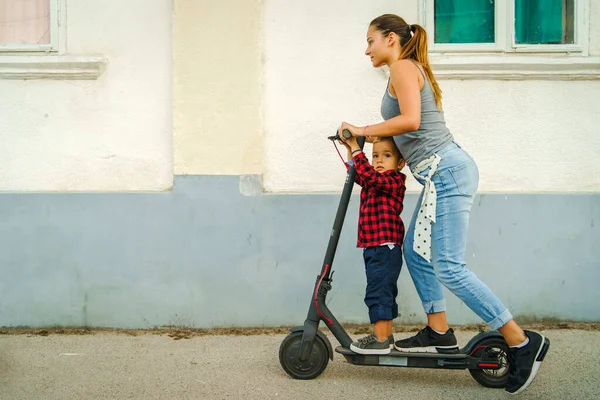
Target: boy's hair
{"points": [[390, 139]]}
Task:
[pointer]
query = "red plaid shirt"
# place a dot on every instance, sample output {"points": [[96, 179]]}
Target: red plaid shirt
{"points": [[381, 202]]}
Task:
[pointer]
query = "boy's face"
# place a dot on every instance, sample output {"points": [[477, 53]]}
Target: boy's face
{"points": [[385, 157]]}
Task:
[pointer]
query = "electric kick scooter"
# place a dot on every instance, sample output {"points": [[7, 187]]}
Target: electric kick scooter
{"points": [[305, 352]]}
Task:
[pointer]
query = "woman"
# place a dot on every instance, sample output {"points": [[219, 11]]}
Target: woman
{"points": [[435, 243]]}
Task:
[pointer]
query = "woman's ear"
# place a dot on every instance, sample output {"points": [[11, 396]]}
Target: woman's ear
{"points": [[392, 37]]}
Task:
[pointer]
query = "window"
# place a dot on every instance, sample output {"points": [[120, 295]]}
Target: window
{"points": [[29, 25], [544, 22], [507, 25], [33, 45], [466, 21]]}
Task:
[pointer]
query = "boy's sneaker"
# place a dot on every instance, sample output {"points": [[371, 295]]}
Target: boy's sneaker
{"points": [[370, 345], [429, 341], [524, 362], [391, 341]]}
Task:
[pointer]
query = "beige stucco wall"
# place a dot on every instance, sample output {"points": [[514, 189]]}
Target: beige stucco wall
{"points": [[217, 87]]}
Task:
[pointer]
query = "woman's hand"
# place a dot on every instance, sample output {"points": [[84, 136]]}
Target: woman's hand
{"points": [[355, 131]]}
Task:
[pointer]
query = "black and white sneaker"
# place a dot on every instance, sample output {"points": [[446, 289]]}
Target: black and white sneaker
{"points": [[370, 345], [524, 362], [429, 341]]}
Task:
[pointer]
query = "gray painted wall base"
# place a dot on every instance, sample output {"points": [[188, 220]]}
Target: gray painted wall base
{"points": [[206, 255]]}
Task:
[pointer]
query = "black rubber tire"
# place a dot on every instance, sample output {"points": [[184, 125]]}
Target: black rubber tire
{"points": [[492, 378], [309, 369]]}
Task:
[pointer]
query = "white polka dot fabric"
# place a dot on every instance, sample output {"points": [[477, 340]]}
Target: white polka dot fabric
{"points": [[422, 241]]}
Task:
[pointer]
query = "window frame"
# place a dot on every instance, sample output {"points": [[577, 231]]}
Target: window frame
{"points": [[51, 61], [54, 46], [504, 10]]}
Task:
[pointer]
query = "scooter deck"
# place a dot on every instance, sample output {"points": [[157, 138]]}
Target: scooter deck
{"points": [[420, 360]]}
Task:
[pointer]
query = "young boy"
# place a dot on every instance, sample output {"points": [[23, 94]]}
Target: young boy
{"points": [[380, 234]]}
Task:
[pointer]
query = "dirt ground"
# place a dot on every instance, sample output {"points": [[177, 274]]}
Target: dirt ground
{"points": [[178, 332]]}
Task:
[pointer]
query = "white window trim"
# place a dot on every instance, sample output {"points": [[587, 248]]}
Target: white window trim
{"points": [[62, 67], [50, 61], [581, 39], [427, 12], [515, 67], [504, 32], [507, 61]]}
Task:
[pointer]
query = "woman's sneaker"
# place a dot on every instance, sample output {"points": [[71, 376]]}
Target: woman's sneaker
{"points": [[429, 341], [524, 362], [370, 345]]}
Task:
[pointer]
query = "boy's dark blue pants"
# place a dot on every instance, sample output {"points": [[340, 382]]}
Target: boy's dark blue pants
{"points": [[382, 266]]}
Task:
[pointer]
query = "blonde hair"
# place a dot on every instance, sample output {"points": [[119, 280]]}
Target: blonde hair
{"points": [[413, 41]]}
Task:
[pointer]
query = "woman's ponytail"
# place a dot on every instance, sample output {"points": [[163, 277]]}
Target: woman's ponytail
{"points": [[415, 48]]}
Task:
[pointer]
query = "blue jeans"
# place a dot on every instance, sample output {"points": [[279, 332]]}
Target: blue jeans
{"points": [[382, 266], [456, 181]]}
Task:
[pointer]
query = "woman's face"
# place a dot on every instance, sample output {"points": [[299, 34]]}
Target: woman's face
{"points": [[378, 47]]}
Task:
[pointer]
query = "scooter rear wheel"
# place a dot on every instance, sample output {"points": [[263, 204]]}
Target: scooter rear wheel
{"points": [[492, 349], [289, 357]]}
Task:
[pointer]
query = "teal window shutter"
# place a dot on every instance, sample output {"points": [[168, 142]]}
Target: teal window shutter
{"points": [[464, 21], [540, 21]]}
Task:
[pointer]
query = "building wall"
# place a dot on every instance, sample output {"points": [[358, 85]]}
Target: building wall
{"points": [[109, 134], [525, 135], [218, 87], [204, 255], [240, 236]]}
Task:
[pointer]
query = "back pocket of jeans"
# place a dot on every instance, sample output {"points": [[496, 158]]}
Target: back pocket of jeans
{"points": [[466, 177]]}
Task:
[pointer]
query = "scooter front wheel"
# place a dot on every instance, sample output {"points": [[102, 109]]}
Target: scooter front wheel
{"points": [[289, 357], [494, 350]]}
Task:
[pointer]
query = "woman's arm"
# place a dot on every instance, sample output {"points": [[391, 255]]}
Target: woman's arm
{"points": [[404, 78]]}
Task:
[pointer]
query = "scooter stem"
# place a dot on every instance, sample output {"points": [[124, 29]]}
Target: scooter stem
{"points": [[318, 309], [339, 218]]}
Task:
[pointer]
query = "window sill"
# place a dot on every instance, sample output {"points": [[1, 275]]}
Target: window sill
{"points": [[59, 67], [511, 67]]}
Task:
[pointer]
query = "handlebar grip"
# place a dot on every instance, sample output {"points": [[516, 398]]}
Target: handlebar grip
{"points": [[346, 133]]}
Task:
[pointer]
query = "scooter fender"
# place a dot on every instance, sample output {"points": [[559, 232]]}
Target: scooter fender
{"points": [[319, 334], [475, 340]]}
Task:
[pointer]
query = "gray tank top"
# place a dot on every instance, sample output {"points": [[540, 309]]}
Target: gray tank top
{"points": [[432, 135]]}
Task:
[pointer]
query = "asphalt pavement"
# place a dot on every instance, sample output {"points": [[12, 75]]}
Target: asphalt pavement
{"points": [[150, 366]]}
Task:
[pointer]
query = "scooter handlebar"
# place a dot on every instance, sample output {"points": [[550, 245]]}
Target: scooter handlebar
{"points": [[346, 134]]}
